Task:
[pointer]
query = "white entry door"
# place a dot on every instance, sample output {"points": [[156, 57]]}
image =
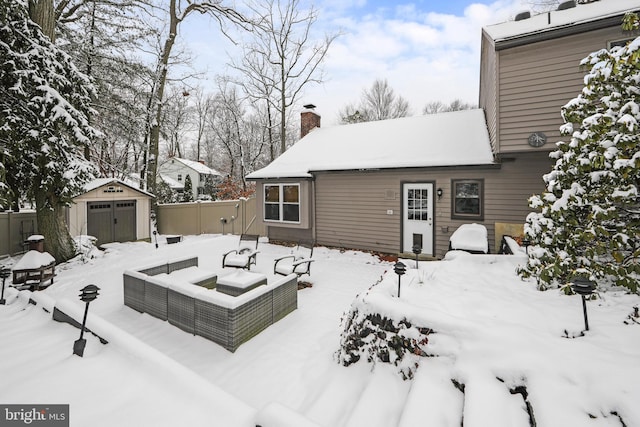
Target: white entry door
{"points": [[418, 217]]}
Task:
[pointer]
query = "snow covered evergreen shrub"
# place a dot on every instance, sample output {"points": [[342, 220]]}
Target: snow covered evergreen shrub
{"points": [[589, 219], [379, 339], [187, 195]]}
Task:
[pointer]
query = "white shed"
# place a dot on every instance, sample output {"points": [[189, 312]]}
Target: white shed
{"points": [[112, 211]]}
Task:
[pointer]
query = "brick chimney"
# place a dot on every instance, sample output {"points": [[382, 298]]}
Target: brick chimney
{"points": [[309, 119]]}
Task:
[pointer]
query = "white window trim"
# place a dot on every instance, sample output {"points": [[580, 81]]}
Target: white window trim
{"points": [[280, 202]]}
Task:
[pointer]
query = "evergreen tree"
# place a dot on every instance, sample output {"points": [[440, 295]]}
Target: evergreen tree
{"points": [[44, 101], [589, 219], [187, 196]]}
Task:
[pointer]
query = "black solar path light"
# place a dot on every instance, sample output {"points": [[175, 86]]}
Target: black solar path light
{"points": [[87, 294], [583, 287], [416, 250], [399, 269], [4, 273]]}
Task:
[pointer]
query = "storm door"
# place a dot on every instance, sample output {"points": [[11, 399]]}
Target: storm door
{"points": [[417, 226]]}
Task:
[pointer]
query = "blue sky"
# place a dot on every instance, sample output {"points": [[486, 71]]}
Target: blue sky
{"points": [[427, 50]]}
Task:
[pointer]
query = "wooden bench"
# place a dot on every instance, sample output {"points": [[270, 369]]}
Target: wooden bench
{"points": [[34, 278]]}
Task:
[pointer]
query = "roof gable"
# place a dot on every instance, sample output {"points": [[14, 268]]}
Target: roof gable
{"points": [[445, 139], [103, 182], [196, 166]]}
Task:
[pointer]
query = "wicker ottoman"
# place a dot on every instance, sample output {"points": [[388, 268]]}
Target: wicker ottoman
{"points": [[240, 282]]}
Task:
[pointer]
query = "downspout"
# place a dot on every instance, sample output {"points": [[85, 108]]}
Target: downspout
{"points": [[313, 208]]}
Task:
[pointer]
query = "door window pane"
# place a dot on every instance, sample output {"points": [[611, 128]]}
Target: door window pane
{"points": [[418, 204]]}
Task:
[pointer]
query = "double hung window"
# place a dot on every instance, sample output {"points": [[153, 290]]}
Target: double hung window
{"points": [[468, 199], [282, 202]]}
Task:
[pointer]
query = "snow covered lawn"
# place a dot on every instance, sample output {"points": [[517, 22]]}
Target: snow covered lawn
{"points": [[499, 346]]}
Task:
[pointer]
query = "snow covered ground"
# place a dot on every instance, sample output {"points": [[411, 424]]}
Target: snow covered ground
{"points": [[508, 346]]}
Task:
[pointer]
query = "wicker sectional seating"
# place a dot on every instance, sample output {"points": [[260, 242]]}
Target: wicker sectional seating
{"points": [[202, 310]]}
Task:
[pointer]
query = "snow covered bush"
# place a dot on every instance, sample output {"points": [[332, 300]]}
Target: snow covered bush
{"points": [[381, 339], [589, 218]]}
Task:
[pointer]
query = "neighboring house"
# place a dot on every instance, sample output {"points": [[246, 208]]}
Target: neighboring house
{"points": [[175, 170], [389, 185], [111, 211]]}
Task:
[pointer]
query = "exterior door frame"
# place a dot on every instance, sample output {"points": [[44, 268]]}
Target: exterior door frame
{"points": [[431, 221]]}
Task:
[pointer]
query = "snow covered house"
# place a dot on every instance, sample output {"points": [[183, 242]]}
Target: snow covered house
{"points": [[389, 185], [111, 211], [175, 170]]}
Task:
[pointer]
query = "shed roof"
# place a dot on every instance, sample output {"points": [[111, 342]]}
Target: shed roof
{"points": [[558, 19], [446, 139], [101, 182]]}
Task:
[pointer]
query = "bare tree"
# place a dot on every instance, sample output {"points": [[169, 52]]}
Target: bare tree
{"points": [[176, 120], [380, 102], [435, 107], [202, 107], [234, 134], [177, 13], [281, 60]]}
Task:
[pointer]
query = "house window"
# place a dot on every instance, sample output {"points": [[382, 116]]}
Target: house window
{"points": [[179, 177], [468, 199], [282, 202]]}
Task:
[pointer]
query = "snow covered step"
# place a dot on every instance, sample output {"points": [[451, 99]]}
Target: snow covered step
{"points": [[382, 401], [335, 394], [560, 401], [433, 399], [488, 401]]}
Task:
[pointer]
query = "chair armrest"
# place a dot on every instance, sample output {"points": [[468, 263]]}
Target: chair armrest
{"points": [[228, 253], [277, 260], [303, 261]]}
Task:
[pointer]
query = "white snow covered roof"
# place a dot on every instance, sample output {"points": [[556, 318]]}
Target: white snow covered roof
{"points": [[197, 166], [446, 139], [547, 21], [171, 182], [100, 182]]}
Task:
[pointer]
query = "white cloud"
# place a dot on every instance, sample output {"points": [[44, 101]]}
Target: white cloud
{"points": [[425, 56]]}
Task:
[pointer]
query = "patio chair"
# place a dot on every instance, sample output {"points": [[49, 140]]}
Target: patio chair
{"points": [[245, 255], [470, 238], [299, 262]]}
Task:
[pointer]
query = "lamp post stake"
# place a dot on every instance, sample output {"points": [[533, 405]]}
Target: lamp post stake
{"points": [[88, 294]]}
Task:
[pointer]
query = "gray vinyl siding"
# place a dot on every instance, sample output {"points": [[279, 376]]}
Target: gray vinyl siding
{"points": [[536, 80], [487, 98], [351, 207]]}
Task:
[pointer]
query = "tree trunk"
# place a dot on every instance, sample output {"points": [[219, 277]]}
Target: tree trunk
{"points": [[41, 12], [50, 215], [50, 211], [154, 142]]}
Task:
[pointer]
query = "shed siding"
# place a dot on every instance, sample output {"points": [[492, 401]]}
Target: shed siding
{"points": [[536, 80], [351, 207], [78, 209]]}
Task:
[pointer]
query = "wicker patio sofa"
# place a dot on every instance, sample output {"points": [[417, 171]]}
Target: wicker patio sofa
{"points": [[200, 310]]}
